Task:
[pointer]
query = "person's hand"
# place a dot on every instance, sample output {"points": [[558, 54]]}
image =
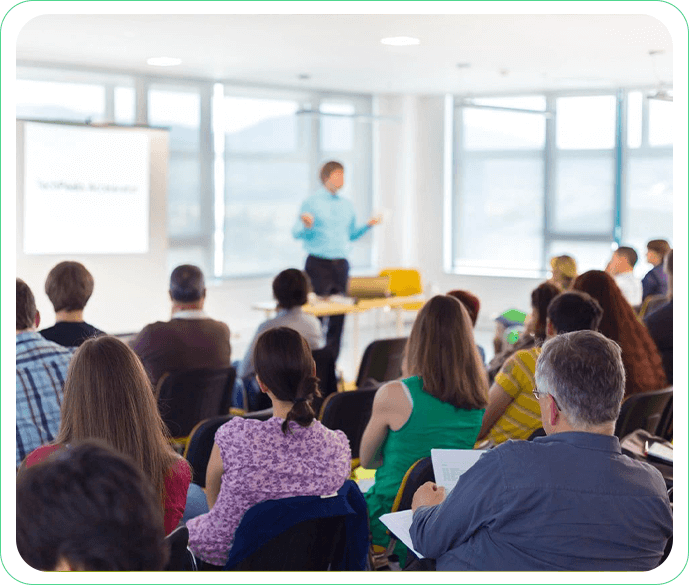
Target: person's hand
{"points": [[374, 220], [429, 494], [307, 218]]}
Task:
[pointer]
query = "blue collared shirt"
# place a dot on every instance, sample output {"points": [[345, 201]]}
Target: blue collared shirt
{"points": [[41, 371], [334, 225], [569, 501]]}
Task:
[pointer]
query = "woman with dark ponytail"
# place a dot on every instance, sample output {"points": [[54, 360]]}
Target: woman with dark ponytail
{"points": [[252, 461]]}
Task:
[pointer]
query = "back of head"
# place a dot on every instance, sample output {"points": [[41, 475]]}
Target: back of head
{"points": [[540, 299], [290, 288], [441, 349], [574, 311], [26, 306], [91, 508], [107, 396], [564, 269], [328, 168], [583, 371], [603, 288], [629, 254], [470, 302], [284, 364], [660, 247], [69, 286], [187, 284]]}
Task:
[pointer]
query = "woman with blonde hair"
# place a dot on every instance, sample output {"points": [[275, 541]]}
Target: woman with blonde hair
{"points": [[438, 405], [107, 396]]}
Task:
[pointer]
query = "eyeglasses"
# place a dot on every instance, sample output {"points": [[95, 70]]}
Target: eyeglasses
{"points": [[538, 394]]}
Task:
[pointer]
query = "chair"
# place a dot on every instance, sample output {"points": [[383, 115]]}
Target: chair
{"points": [[664, 429], [190, 396], [405, 282], [200, 444], [642, 411], [325, 370], [651, 303], [348, 412], [382, 361], [181, 558], [303, 533]]}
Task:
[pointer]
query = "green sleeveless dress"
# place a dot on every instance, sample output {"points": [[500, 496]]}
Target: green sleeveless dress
{"points": [[433, 424]]}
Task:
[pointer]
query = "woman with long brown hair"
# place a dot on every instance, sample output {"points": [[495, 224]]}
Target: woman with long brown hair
{"points": [[291, 454], [438, 405], [640, 357], [107, 396]]}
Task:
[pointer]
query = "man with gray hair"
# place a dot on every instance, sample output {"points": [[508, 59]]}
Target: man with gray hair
{"points": [[569, 501], [190, 339]]}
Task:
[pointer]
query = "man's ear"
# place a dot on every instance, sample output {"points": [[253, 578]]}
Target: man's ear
{"points": [[553, 413], [38, 319]]}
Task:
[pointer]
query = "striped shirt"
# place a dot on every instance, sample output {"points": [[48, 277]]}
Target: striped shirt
{"points": [[41, 371], [523, 415]]}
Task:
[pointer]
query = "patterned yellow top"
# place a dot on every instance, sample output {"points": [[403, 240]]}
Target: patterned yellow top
{"points": [[523, 415]]}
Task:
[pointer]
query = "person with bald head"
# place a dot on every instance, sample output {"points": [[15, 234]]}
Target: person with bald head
{"points": [[190, 339]]}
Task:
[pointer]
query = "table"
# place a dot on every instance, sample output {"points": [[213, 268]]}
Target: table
{"points": [[339, 305]]}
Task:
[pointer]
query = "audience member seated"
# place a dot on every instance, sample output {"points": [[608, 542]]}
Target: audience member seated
{"points": [[439, 404], [41, 370], [642, 363], [655, 282], [533, 335], [108, 397], [569, 501], [473, 306], [190, 339], [290, 289], [69, 286], [564, 271], [252, 461], [89, 509], [513, 411], [621, 268], [659, 324]]}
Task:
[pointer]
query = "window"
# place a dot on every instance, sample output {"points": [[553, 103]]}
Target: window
{"points": [[528, 186]]}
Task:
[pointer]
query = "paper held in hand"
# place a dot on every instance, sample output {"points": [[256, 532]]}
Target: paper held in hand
{"points": [[448, 465]]}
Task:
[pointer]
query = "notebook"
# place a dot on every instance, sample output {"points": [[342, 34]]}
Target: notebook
{"points": [[368, 287]]}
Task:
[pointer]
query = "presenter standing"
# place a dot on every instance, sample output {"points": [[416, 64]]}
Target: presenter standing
{"points": [[327, 224]]}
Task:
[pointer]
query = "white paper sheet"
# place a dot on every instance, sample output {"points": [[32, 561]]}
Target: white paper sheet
{"points": [[449, 464], [399, 524]]}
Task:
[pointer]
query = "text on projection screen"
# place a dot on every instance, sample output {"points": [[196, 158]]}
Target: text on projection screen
{"points": [[86, 190]]}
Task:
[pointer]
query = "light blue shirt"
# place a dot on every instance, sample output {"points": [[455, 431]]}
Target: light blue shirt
{"points": [[334, 225]]}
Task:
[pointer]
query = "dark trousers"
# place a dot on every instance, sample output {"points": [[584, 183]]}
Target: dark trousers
{"points": [[329, 277]]}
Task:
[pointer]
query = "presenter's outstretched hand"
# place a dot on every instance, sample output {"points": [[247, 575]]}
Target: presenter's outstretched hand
{"points": [[307, 218], [429, 494], [374, 220]]}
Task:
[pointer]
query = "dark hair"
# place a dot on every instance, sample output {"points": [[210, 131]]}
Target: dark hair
{"points": [[187, 284], [284, 364], [470, 302], [328, 168], [441, 349], [69, 286], [540, 299], [574, 311], [91, 507], [26, 306], [668, 262], [659, 247], [642, 362], [629, 254], [290, 288]]}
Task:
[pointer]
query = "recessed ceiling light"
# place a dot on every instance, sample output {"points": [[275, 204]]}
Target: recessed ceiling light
{"points": [[400, 41], [163, 61]]}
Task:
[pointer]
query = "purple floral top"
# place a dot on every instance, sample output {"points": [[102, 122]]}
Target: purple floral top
{"points": [[261, 463]]}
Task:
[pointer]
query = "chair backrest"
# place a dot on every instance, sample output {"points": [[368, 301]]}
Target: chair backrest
{"points": [[651, 303], [665, 425], [185, 398], [642, 411], [418, 474], [382, 361], [325, 370], [403, 281], [200, 445], [348, 412], [181, 558]]}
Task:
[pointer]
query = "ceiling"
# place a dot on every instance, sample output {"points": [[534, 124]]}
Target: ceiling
{"points": [[505, 53]]}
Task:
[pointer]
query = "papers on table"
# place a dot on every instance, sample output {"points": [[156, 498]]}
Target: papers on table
{"points": [[399, 524], [448, 465]]}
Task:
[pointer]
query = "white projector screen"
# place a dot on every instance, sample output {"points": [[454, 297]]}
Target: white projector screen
{"points": [[86, 190]]}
